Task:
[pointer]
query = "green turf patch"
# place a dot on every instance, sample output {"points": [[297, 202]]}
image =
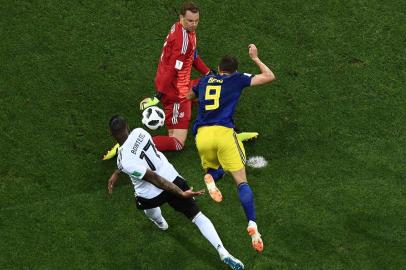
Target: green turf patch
{"points": [[332, 127]]}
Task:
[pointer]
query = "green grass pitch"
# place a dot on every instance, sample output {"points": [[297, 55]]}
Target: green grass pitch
{"points": [[333, 128]]}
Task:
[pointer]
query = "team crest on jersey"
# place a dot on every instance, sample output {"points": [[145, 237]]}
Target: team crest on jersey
{"points": [[181, 115]]}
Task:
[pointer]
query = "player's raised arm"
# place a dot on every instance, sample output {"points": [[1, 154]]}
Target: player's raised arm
{"points": [[266, 75], [161, 183]]}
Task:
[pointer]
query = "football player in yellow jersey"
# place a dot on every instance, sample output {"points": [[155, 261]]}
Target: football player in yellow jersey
{"points": [[216, 140]]}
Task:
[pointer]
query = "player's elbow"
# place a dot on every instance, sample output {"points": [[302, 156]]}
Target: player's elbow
{"points": [[263, 78], [270, 76]]}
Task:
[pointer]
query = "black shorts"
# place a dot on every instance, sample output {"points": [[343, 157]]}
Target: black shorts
{"points": [[186, 206]]}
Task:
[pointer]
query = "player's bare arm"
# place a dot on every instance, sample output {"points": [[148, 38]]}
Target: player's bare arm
{"points": [[266, 75], [112, 180], [161, 183]]}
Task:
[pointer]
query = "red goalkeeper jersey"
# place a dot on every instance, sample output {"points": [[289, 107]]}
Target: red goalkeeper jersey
{"points": [[179, 54]]}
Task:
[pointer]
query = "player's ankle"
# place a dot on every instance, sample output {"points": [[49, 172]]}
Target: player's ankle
{"points": [[252, 223], [223, 253]]}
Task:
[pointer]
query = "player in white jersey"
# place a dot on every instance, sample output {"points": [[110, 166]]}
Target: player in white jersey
{"points": [[156, 181]]}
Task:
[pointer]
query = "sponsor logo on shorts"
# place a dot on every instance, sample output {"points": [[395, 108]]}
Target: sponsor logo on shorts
{"points": [[175, 113]]}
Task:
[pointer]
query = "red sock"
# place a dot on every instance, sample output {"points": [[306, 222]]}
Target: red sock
{"points": [[167, 143]]}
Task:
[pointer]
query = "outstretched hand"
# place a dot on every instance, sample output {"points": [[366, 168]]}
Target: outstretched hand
{"points": [[253, 51], [190, 193], [113, 178]]}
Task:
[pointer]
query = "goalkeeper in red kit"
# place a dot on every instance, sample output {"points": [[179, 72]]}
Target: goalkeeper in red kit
{"points": [[172, 80]]}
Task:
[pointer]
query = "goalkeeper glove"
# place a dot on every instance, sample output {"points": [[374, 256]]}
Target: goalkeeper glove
{"points": [[148, 102]]}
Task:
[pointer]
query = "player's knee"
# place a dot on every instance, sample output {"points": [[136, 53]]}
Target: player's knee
{"points": [[179, 134]]}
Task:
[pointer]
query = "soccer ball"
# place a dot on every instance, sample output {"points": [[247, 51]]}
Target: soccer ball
{"points": [[153, 117]]}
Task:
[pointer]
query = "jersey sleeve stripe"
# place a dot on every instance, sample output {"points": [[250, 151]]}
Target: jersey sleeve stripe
{"points": [[185, 41]]}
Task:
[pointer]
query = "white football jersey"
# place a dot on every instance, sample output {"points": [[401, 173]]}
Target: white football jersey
{"points": [[136, 155]]}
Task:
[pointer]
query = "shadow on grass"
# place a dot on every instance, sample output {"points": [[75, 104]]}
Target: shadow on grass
{"points": [[198, 252]]}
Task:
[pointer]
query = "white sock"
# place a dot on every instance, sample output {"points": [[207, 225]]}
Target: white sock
{"points": [[154, 214], [252, 223], [206, 227]]}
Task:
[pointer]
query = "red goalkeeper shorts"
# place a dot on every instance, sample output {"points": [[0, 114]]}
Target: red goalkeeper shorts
{"points": [[178, 113]]}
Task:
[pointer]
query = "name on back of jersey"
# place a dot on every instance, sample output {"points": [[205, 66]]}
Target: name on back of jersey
{"points": [[137, 143], [214, 80]]}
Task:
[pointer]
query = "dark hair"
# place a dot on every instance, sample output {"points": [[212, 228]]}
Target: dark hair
{"points": [[117, 124], [228, 64], [192, 7]]}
